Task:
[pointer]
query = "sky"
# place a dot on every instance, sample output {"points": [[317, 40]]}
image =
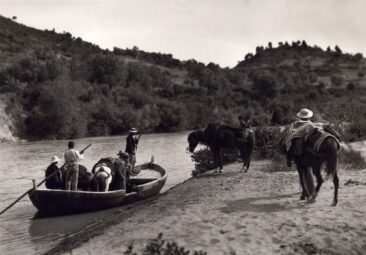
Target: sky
{"points": [[218, 31]]}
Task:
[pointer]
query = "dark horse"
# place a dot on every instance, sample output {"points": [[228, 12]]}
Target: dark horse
{"points": [[217, 137], [110, 174], [328, 154]]}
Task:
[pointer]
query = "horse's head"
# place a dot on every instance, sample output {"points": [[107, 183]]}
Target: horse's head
{"points": [[123, 156], [193, 140]]}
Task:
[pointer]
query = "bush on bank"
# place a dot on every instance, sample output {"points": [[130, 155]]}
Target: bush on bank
{"points": [[159, 246]]}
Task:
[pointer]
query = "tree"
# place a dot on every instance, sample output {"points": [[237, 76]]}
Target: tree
{"points": [[338, 50], [264, 87], [304, 44], [248, 56]]}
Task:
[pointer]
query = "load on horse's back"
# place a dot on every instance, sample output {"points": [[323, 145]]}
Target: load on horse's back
{"points": [[310, 145], [218, 137]]}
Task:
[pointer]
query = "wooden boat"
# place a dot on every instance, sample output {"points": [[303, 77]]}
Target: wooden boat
{"points": [[60, 202]]}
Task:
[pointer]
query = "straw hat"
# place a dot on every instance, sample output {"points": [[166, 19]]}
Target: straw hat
{"points": [[54, 159], [133, 130], [304, 114]]}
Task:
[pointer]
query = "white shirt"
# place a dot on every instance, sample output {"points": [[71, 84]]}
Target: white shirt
{"points": [[72, 156]]}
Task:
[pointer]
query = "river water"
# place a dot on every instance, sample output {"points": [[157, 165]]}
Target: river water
{"points": [[21, 233]]}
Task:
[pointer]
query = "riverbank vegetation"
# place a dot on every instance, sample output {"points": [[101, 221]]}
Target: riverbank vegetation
{"points": [[60, 86], [159, 246]]}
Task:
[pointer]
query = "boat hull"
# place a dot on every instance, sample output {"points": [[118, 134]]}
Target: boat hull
{"points": [[61, 202]]}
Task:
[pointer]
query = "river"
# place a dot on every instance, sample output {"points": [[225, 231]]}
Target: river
{"points": [[21, 233]]}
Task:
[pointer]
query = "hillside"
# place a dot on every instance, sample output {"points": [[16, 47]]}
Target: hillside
{"points": [[65, 87]]}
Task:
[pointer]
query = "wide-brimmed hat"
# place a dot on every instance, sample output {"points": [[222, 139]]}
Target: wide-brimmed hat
{"points": [[304, 114], [133, 130], [54, 159]]}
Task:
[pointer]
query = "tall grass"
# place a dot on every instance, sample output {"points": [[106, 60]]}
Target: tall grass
{"points": [[351, 159]]}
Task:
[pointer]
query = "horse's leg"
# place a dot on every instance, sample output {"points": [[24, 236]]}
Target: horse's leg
{"points": [[301, 172], [103, 184], [331, 168], [245, 156], [319, 179], [219, 160], [309, 181], [336, 186], [214, 156], [242, 156]]}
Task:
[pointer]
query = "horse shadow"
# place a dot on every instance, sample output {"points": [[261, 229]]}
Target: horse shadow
{"points": [[260, 204], [211, 174]]}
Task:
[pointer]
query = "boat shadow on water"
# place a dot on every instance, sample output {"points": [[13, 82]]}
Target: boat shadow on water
{"points": [[63, 226]]}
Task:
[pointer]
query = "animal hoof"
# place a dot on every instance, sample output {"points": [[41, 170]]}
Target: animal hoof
{"points": [[335, 204], [311, 200], [221, 171]]}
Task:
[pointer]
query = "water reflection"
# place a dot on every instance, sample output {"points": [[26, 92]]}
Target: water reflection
{"points": [[21, 233]]}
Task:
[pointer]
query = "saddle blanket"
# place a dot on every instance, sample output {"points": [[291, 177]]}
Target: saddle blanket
{"points": [[301, 129]]}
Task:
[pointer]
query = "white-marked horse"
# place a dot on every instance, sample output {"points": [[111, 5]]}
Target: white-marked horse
{"points": [[109, 174]]}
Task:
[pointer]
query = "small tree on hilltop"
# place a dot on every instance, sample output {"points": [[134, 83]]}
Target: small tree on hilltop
{"points": [[304, 44], [338, 50]]}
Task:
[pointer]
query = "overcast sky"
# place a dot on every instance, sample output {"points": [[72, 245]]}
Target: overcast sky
{"points": [[206, 30]]}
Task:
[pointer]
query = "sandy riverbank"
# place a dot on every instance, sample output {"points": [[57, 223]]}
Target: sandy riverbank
{"points": [[250, 213]]}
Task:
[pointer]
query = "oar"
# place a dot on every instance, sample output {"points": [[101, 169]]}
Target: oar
{"points": [[45, 179], [83, 150]]}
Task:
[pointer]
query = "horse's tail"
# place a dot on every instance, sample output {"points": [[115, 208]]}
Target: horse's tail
{"points": [[332, 156]]}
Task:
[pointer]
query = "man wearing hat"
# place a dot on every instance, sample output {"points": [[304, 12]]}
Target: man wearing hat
{"points": [[304, 115], [54, 182], [302, 127], [131, 146], [297, 130]]}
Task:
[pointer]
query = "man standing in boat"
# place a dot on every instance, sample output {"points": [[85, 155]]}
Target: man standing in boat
{"points": [[72, 158], [131, 146]]}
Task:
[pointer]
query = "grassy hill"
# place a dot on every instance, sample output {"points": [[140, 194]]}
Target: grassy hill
{"points": [[60, 86]]}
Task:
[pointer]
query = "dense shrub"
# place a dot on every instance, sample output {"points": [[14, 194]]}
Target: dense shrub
{"points": [[351, 159], [159, 246], [203, 160]]}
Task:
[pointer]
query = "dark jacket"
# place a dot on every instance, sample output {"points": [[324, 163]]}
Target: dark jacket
{"points": [[55, 182], [131, 144]]}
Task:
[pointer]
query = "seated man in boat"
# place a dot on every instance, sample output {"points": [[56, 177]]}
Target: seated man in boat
{"points": [[53, 175], [72, 158]]}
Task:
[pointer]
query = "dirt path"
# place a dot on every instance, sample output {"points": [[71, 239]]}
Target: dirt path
{"points": [[250, 213]]}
